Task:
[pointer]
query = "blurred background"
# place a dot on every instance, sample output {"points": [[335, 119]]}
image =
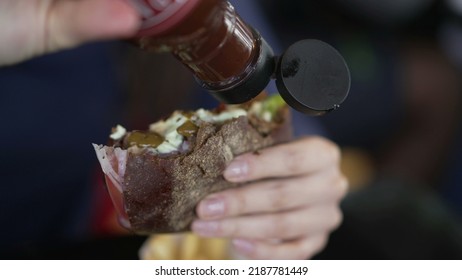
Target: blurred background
{"points": [[400, 127], [399, 130]]}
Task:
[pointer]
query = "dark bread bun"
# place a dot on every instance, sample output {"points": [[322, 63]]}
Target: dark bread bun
{"points": [[159, 193]]}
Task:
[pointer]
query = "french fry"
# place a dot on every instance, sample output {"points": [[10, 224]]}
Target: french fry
{"points": [[186, 246]]}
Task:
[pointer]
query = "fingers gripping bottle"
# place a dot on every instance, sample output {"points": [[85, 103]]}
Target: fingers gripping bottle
{"points": [[234, 63]]}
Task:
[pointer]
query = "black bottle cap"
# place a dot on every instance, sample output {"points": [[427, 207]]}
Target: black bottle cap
{"points": [[255, 82], [312, 77]]}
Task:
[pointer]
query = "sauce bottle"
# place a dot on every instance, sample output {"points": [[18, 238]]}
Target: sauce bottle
{"points": [[233, 62]]}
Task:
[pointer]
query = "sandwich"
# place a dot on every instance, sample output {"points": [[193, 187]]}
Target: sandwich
{"points": [[156, 177]]}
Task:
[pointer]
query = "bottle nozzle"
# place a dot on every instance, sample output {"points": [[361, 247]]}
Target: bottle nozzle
{"points": [[311, 76]]}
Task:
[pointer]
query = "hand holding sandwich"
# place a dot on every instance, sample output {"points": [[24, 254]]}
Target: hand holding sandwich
{"points": [[289, 206], [33, 27]]}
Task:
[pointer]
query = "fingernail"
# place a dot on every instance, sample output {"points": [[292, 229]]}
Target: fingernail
{"points": [[243, 246], [238, 169], [212, 208], [205, 228]]}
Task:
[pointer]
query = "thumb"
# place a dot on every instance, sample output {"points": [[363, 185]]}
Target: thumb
{"points": [[72, 22]]}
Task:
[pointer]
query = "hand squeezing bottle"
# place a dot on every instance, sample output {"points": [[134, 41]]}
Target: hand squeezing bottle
{"points": [[231, 60]]}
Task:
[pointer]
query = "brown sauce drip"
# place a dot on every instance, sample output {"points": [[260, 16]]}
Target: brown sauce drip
{"points": [[187, 129], [143, 139]]}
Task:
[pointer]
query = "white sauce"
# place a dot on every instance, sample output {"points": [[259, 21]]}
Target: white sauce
{"points": [[119, 132]]}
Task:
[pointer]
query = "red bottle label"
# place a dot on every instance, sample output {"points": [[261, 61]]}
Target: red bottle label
{"points": [[160, 15]]}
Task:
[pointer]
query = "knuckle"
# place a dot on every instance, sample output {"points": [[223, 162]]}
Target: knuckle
{"points": [[336, 218], [341, 186], [303, 253], [278, 196], [295, 156], [332, 151], [318, 245], [294, 159], [230, 229], [326, 150], [238, 204], [278, 226], [344, 185], [303, 248]]}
